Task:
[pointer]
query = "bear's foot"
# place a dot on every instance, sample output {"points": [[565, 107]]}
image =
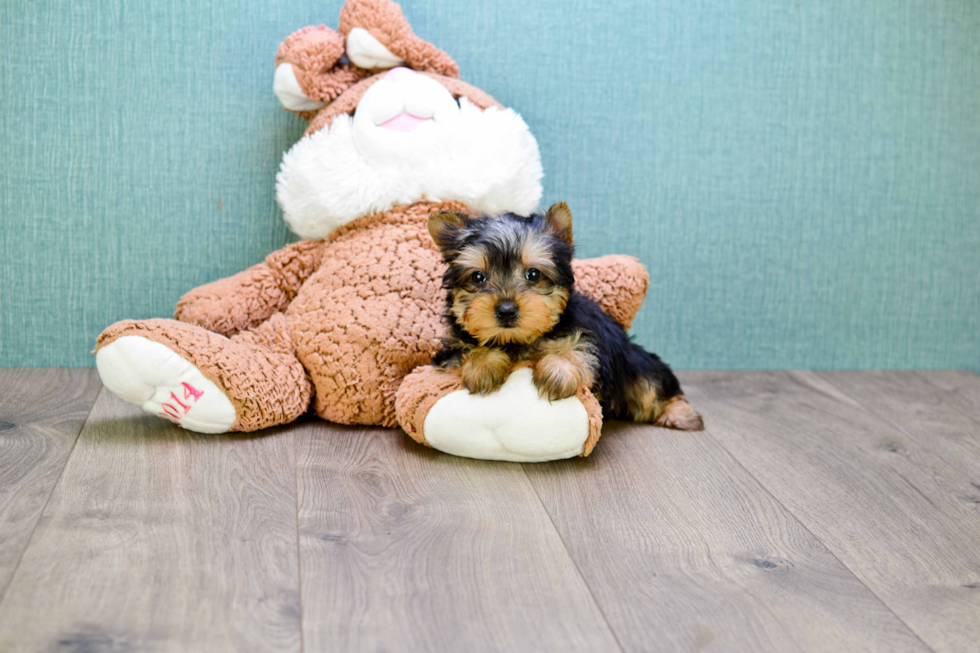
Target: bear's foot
{"points": [[148, 374], [514, 423], [204, 381]]}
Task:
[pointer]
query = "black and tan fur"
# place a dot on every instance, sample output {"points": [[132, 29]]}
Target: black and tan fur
{"points": [[512, 301]]}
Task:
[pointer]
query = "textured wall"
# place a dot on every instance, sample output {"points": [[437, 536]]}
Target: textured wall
{"points": [[801, 178]]}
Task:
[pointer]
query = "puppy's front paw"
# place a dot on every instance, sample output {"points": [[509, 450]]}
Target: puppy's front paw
{"points": [[448, 363], [557, 376], [485, 370]]}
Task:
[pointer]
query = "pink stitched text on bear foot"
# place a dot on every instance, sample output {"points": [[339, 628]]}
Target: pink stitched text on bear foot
{"points": [[191, 395]]}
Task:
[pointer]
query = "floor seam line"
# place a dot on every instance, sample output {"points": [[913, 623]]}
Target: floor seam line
{"points": [[818, 539], [47, 500], [963, 411], [887, 422], [299, 550], [571, 558]]}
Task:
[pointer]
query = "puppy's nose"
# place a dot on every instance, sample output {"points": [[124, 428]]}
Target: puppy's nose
{"points": [[506, 311]]}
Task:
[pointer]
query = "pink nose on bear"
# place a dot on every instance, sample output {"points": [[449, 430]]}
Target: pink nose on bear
{"points": [[403, 122], [399, 74]]}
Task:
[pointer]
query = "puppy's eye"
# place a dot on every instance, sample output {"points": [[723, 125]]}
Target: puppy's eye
{"points": [[478, 278], [532, 274]]}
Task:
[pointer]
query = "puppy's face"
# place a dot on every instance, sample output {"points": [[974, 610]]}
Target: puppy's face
{"points": [[509, 277]]}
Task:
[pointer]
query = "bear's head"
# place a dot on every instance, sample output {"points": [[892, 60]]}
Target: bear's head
{"points": [[392, 125]]}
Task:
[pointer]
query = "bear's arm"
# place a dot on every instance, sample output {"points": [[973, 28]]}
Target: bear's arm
{"points": [[618, 283], [248, 298]]}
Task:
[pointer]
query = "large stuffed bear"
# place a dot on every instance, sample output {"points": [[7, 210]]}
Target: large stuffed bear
{"points": [[346, 320]]}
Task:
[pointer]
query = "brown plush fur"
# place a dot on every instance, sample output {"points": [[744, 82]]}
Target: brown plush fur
{"points": [[314, 53]]}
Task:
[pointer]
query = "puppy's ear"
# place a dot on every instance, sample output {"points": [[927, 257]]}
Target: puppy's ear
{"points": [[444, 226], [560, 219]]}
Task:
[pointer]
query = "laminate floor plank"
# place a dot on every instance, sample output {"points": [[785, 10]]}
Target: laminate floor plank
{"points": [[158, 539], [42, 412], [941, 422], [404, 548], [889, 505], [962, 389], [684, 550], [819, 511]]}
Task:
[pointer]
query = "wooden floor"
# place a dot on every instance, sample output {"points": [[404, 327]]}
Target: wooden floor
{"points": [[819, 511]]}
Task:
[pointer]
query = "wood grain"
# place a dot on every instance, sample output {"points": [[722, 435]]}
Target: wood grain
{"points": [[404, 548], [685, 551], [889, 504], [41, 413], [961, 388], [820, 511], [159, 539], [940, 421]]}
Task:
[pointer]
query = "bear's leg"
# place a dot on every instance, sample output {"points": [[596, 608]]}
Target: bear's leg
{"points": [[514, 423], [203, 381]]}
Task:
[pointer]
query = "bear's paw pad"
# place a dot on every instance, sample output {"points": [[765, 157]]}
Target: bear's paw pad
{"points": [[514, 423]]}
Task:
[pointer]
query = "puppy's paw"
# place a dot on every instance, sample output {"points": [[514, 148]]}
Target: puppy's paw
{"points": [[485, 370], [451, 363], [558, 376], [679, 415]]}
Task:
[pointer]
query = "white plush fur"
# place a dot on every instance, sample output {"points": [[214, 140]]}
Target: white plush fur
{"points": [[510, 424], [487, 159]]}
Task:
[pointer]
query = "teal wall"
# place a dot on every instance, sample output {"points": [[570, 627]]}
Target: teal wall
{"points": [[801, 178]]}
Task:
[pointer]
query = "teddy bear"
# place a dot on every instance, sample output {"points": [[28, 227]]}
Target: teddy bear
{"points": [[345, 321]]}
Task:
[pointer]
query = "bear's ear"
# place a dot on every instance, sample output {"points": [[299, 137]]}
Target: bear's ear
{"points": [[378, 27], [560, 219], [444, 226]]}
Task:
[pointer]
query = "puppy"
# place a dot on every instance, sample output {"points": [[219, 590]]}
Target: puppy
{"points": [[512, 301]]}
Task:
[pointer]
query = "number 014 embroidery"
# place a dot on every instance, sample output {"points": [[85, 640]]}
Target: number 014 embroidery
{"points": [[191, 395]]}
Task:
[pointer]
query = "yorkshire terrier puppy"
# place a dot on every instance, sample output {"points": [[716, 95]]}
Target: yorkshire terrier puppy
{"points": [[512, 301]]}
